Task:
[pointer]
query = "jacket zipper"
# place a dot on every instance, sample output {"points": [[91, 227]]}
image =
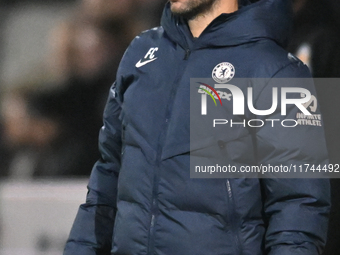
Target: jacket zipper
{"points": [[154, 206], [152, 225], [186, 45], [233, 222], [187, 53]]}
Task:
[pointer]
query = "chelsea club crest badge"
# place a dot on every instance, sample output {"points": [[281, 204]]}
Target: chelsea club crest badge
{"points": [[223, 72]]}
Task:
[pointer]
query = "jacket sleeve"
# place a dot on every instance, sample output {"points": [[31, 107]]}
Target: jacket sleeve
{"points": [[91, 233], [296, 209]]}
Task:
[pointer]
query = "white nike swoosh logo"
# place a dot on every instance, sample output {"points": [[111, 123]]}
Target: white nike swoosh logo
{"points": [[140, 63]]}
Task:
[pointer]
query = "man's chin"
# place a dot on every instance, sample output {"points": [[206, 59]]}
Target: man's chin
{"points": [[176, 8]]}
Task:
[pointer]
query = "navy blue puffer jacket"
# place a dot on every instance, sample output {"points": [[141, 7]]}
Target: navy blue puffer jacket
{"points": [[141, 199]]}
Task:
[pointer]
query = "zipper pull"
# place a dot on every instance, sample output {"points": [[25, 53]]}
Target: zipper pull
{"points": [[187, 54]]}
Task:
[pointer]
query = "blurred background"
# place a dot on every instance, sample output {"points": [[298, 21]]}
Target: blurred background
{"points": [[58, 59]]}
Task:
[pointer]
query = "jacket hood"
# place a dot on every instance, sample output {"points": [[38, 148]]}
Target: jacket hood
{"points": [[265, 19]]}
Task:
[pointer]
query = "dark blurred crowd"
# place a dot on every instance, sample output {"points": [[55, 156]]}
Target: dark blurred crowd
{"points": [[50, 128], [315, 40]]}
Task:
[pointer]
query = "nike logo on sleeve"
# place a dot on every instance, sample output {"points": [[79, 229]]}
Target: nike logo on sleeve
{"points": [[142, 63]]}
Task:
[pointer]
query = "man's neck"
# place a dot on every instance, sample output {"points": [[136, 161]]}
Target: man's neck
{"points": [[201, 21]]}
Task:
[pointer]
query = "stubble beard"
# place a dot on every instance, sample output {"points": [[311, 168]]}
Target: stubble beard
{"points": [[193, 8]]}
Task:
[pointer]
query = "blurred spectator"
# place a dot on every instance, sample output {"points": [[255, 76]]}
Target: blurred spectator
{"points": [[84, 60], [37, 132], [84, 47], [85, 53], [315, 41], [92, 42], [316, 36], [55, 132]]}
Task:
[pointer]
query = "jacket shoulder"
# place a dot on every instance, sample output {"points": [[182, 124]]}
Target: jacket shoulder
{"points": [[137, 51], [141, 44], [276, 62]]}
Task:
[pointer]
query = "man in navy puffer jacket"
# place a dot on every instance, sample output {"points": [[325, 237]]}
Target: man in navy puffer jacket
{"points": [[141, 199]]}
